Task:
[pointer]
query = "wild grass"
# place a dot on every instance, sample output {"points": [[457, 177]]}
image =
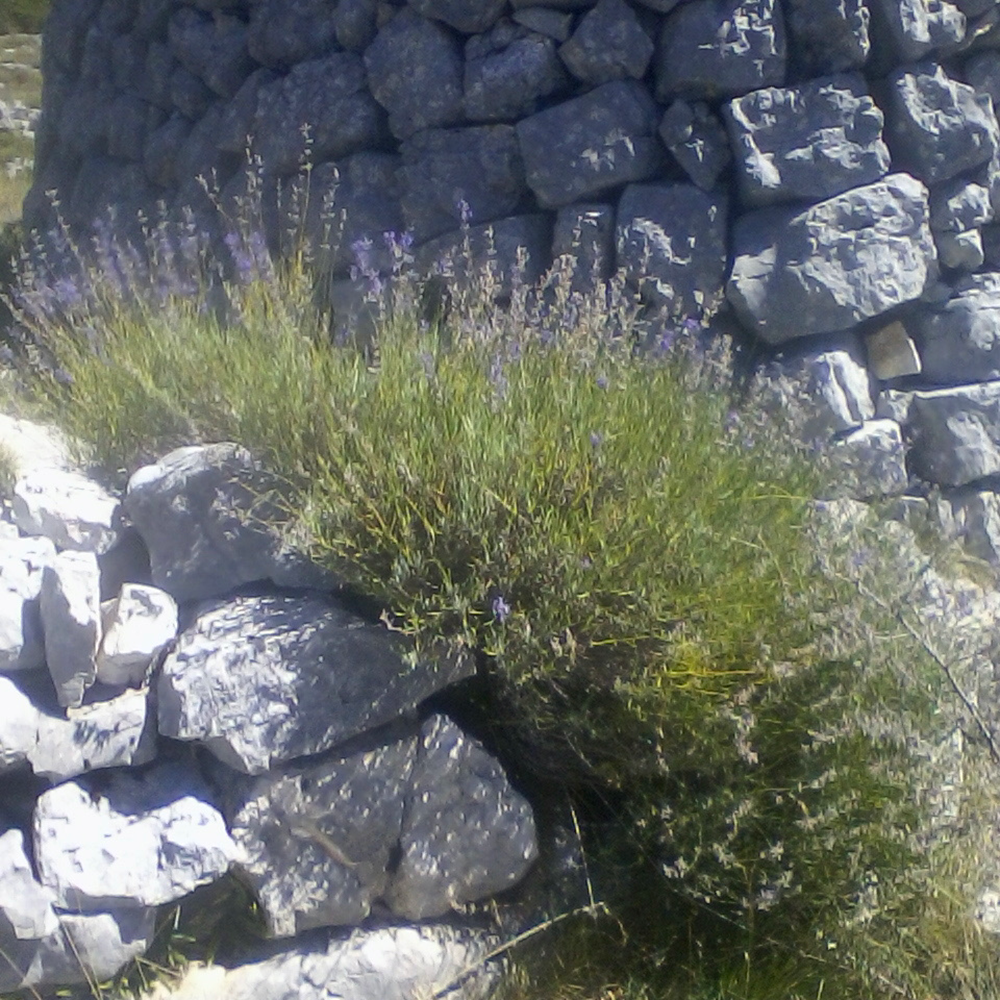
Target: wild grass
{"points": [[20, 50], [672, 630], [23, 16]]}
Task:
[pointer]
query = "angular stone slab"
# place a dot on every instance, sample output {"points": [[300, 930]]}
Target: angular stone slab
{"points": [[386, 963], [415, 72], [671, 244], [138, 624], [328, 96], [589, 144], [956, 433], [908, 30], [937, 127], [709, 50], [697, 141], [827, 267], [135, 841], [828, 36], [26, 907], [285, 32], [469, 16], [807, 142], [22, 565], [319, 843], [263, 680], [205, 516], [68, 508], [609, 44], [870, 461], [18, 725], [891, 352], [466, 834], [959, 340], [70, 607], [446, 172], [508, 71], [976, 517]]}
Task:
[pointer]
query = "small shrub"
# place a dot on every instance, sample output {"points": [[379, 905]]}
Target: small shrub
{"points": [[637, 564]]}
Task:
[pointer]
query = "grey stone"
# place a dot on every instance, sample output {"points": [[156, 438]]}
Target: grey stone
{"points": [[959, 205], [152, 18], [35, 446], [131, 841], [207, 517], [415, 71], [546, 21], [446, 172], [83, 120], [26, 907], [556, 4], [285, 32], [22, 566], [137, 626], [191, 96], [959, 340], [609, 44], [590, 144], [65, 30], [319, 843], [828, 36], [355, 23], [128, 57], [891, 352], [18, 733], [937, 127], [956, 433], [328, 97], [236, 128], [976, 518], [469, 16], [466, 833], [127, 127], [894, 404], [95, 57], [508, 72], [910, 29], [982, 72], [820, 392], [585, 235], [869, 462], [829, 266], [117, 15], [157, 76], [265, 680], [70, 606], [496, 248], [973, 8], [159, 153], [388, 963], [213, 49], [671, 245], [710, 50], [199, 157], [697, 141], [807, 142], [960, 251]]}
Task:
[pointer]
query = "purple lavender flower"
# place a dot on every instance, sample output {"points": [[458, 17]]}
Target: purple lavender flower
{"points": [[602, 382], [596, 439], [501, 609], [497, 378]]}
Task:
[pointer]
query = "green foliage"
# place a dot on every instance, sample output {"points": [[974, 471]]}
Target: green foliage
{"points": [[639, 568], [23, 16]]}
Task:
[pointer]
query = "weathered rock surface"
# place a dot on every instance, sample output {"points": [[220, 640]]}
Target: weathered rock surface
{"points": [[67, 507], [18, 726], [391, 963], [908, 30], [137, 626], [671, 243], [891, 352], [415, 72], [609, 44], [937, 127], [508, 71], [870, 461], [284, 32], [959, 340], [828, 36], [70, 607], [466, 833], [834, 264], [446, 173], [319, 843], [975, 516], [469, 16], [134, 841], [956, 433], [709, 50], [265, 680], [807, 142], [697, 141], [213, 49], [22, 565], [587, 145], [207, 517]]}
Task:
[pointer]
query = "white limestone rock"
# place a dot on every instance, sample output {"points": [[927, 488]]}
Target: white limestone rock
{"points": [[18, 725], [71, 621], [138, 841], [138, 625], [67, 507], [22, 564], [870, 461]]}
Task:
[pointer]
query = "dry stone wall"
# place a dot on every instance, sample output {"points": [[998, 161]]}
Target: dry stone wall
{"points": [[823, 173]]}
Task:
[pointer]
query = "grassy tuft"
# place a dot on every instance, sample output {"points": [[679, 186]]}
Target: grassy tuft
{"points": [[669, 625], [23, 16]]}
